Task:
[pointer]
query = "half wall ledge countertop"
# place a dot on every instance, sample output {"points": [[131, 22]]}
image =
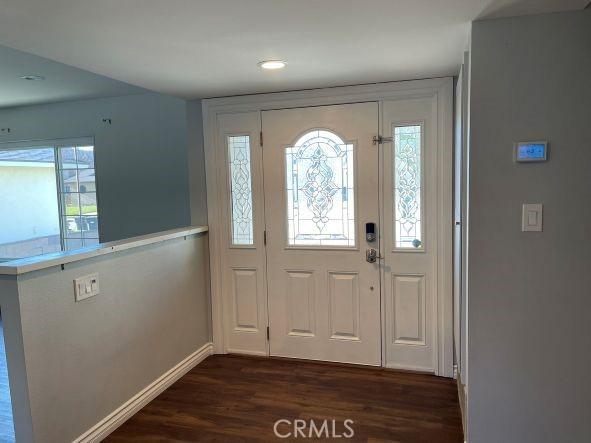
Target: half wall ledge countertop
{"points": [[30, 264]]}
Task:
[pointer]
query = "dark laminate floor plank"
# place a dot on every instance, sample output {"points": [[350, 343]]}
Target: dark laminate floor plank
{"points": [[238, 399]]}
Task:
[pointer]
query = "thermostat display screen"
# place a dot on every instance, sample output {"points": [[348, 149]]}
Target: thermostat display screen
{"points": [[531, 151]]}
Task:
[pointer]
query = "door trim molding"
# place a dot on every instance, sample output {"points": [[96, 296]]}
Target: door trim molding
{"points": [[442, 88]]}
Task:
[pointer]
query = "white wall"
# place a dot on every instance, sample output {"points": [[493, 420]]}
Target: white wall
{"points": [[530, 293], [73, 363], [28, 203]]}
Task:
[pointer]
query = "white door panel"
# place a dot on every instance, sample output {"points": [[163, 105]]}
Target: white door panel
{"points": [[301, 303], [343, 300], [408, 294], [324, 300], [244, 279], [409, 233], [244, 292]]}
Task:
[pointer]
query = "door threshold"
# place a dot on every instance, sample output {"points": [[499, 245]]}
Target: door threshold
{"points": [[326, 363]]}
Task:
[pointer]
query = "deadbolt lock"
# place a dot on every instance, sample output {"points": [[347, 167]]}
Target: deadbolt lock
{"points": [[370, 232]]}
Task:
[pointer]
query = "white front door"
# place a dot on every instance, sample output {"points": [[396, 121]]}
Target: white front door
{"points": [[321, 189]]}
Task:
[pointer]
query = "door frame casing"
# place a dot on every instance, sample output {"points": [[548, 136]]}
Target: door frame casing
{"points": [[441, 88]]}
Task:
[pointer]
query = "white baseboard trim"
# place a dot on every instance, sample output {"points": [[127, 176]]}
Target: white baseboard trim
{"points": [[116, 418], [463, 399]]}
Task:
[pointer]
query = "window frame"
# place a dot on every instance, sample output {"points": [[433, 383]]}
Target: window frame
{"points": [[56, 145], [62, 193]]}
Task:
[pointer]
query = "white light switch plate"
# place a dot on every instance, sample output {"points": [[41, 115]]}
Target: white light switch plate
{"points": [[531, 217], [86, 287]]}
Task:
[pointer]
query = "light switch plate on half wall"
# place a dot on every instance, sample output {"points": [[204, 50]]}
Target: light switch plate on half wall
{"points": [[86, 287]]}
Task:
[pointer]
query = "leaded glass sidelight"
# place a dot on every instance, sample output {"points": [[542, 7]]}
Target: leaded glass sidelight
{"points": [[241, 189], [407, 187], [320, 191]]}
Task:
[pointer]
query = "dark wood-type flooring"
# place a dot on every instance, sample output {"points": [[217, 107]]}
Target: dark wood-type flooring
{"points": [[231, 398]]}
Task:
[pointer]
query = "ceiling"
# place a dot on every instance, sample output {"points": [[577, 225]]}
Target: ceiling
{"points": [[206, 48], [62, 82]]}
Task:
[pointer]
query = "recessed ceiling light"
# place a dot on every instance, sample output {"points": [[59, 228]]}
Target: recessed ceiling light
{"points": [[272, 64], [32, 77]]}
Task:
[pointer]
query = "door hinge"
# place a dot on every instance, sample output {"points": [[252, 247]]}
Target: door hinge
{"points": [[265, 238], [261, 138], [268, 334], [378, 139]]}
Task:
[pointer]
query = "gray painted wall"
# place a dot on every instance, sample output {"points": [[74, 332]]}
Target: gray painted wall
{"points": [[196, 156], [530, 293], [141, 158], [84, 359]]}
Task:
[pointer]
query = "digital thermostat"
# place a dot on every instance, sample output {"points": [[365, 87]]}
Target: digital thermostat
{"points": [[531, 151]]}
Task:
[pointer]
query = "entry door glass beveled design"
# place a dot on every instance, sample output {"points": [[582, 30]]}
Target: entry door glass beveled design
{"points": [[408, 186], [319, 170], [240, 189]]}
